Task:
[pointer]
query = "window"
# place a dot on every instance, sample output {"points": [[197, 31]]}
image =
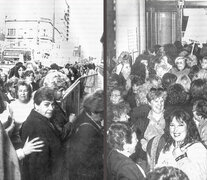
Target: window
{"points": [[11, 32]]}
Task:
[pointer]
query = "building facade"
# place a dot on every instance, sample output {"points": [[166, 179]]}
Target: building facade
{"points": [[38, 37]]}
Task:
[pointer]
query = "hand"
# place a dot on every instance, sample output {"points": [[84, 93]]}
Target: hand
{"points": [[32, 146]]}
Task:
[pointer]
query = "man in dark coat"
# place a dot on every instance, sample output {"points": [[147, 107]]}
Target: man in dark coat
{"points": [[45, 165]]}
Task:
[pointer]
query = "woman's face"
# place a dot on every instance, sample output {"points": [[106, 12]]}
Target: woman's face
{"points": [[23, 93], [157, 105], [45, 108], [178, 130], [30, 78], [12, 90], [20, 71], [180, 64], [204, 64], [115, 97]]}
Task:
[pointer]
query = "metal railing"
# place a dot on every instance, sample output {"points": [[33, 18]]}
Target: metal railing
{"points": [[73, 96]]}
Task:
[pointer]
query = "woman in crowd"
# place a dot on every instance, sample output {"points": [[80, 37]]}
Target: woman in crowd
{"points": [[9, 157], [122, 141], [155, 123], [114, 99], [29, 77], [3, 78], [183, 148], [61, 121], [132, 96], [116, 95], [120, 113], [180, 67], [20, 109], [48, 164], [85, 146], [19, 71]]}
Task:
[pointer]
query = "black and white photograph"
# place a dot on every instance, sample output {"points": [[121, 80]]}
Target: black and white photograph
{"points": [[156, 55], [103, 89], [51, 90]]}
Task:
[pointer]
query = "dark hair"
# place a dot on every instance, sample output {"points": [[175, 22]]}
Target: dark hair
{"points": [[178, 46], [16, 74], [176, 94], [118, 88], [28, 72], [170, 51], [196, 88], [43, 94], [168, 79], [120, 108], [155, 93], [138, 80], [167, 173], [23, 83], [118, 134], [200, 107], [94, 103], [192, 131]]}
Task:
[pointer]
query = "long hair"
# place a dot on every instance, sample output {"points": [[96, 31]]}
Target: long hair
{"points": [[181, 115]]}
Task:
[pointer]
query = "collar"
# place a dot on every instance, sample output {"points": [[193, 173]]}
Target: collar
{"points": [[160, 121]]}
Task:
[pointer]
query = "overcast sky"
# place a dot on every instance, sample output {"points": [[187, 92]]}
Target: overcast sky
{"points": [[86, 19]]}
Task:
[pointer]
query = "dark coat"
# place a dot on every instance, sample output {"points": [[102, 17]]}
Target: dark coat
{"points": [[60, 122], [45, 165], [131, 99], [85, 150], [140, 123], [120, 167]]}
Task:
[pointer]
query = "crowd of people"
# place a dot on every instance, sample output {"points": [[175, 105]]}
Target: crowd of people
{"points": [[157, 114], [40, 138]]}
